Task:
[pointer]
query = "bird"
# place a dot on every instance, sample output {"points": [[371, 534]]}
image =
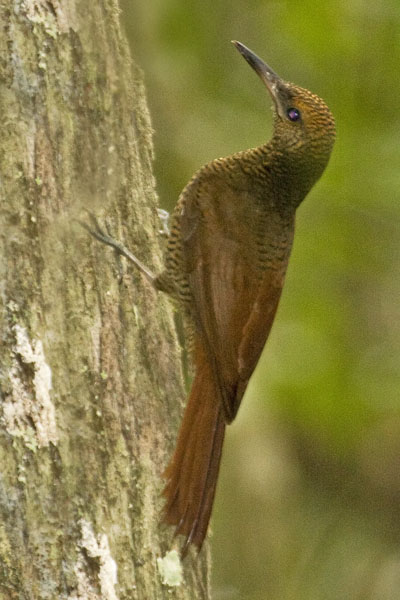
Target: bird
{"points": [[227, 252]]}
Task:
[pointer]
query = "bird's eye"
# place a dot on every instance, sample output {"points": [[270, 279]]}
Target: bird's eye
{"points": [[293, 114]]}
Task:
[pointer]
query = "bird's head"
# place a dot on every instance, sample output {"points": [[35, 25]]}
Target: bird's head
{"points": [[304, 127]]}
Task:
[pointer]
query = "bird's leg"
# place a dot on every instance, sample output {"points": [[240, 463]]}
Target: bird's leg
{"points": [[97, 232]]}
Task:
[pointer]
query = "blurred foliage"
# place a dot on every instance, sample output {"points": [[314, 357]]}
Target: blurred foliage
{"points": [[308, 504]]}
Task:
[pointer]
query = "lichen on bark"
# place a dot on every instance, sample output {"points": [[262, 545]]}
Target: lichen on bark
{"points": [[90, 382]]}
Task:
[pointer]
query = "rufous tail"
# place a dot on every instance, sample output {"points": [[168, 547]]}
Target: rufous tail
{"points": [[193, 470]]}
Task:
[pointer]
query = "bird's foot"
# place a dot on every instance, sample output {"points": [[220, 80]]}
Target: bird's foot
{"points": [[164, 218], [98, 232]]}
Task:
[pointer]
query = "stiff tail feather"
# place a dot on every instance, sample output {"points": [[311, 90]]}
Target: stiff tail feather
{"points": [[193, 470]]}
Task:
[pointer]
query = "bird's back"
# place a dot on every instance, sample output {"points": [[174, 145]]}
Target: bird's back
{"points": [[229, 240]]}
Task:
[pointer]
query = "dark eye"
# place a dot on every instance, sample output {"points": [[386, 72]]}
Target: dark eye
{"points": [[293, 114]]}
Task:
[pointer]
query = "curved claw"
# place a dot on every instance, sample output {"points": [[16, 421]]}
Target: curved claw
{"points": [[97, 232]]}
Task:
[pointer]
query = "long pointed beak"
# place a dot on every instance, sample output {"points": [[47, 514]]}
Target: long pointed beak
{"points": [[273, 82]]}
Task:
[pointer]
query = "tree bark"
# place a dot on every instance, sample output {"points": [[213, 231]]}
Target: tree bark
{"points": [[90, 380]]}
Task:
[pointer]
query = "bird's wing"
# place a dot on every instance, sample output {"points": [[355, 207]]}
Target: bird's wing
{"points": [[235, 300]]}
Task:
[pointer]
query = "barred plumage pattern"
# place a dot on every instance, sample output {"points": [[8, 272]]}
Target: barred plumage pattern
{"points": [[230, 239]]}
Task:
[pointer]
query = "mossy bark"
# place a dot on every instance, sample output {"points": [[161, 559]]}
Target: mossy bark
{"points": [[90, 381]]}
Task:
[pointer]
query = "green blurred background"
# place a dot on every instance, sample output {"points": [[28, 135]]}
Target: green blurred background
{"points": [[308, 504]]}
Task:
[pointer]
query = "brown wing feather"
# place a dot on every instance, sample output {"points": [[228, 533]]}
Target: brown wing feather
{"points": [[234, 300]]}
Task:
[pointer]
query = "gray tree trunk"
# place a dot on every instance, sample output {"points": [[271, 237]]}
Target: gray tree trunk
{"points": [[90, 380]]}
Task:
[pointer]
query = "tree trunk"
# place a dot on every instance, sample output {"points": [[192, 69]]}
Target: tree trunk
{"points": [[90, 379]]}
